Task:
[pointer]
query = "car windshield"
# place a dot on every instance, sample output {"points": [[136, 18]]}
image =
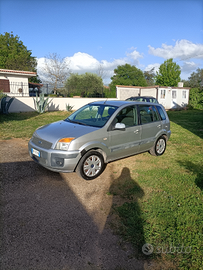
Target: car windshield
{"points": [[95, 115]]}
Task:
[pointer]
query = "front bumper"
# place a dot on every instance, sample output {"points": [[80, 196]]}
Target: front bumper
{"points": [[55, 160]]}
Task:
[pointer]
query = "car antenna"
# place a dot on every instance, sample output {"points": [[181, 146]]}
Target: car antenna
{"points": [[105, 101]]}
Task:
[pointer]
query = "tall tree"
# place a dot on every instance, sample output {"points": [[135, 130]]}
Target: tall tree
{"points": [[196, 79], [14, 55], [101, 72], [169, 73], [84, 84], [55, 71], [149, 76], [127, 75]]}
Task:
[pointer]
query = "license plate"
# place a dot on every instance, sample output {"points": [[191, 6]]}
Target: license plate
{"points": [[35, 152]]}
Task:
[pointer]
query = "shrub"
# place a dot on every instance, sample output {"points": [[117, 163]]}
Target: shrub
{"points": [[41, 104], [196, 98]]}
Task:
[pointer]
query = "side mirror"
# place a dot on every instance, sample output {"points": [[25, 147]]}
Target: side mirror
{"points": [[120, 126]]}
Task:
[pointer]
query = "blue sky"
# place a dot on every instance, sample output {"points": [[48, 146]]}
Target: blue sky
{"points": [[108, 33]]}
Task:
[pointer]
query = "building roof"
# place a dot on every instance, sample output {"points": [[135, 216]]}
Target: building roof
{"points": [[21, 72], [153, 86]]}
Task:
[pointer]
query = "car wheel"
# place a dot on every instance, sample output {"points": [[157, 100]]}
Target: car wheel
{"points": [[159, 148], [91, 165]]}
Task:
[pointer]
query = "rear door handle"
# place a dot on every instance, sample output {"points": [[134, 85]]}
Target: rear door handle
{"points": [[159, 126]]}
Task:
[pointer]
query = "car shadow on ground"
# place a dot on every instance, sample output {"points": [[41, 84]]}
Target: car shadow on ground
{"points": [[126, 194], [57, 221]]}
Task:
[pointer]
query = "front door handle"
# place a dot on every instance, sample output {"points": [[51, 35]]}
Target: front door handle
{"points": [[136, 131], [159, 126]]}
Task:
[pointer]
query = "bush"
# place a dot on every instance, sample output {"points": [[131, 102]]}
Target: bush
{"points": [[196, 98], [41, 104]]}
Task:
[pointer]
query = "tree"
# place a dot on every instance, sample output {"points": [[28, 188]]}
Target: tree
{"points": [[149, 76], [14, 55], [88, 84], [127, 75], [169, 73], [195, 80], [101, 72], [55, 71]]}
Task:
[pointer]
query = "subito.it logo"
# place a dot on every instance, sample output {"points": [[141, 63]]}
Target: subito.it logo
{"points": [[147, 249]]}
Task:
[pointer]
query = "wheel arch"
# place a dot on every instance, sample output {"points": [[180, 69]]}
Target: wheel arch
{"points": [[95, 148]]}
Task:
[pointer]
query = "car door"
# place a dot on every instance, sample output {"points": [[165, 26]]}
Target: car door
{"points": [[151, 126], [124, 142]]}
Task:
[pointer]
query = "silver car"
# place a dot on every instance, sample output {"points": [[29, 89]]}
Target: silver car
{"points": [[98, 133]]}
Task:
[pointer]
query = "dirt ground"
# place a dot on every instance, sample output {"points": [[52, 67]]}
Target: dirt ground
{"points": [[56, 221]]}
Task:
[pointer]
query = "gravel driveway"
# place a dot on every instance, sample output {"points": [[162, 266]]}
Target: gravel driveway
{"points": [[54, 220]]}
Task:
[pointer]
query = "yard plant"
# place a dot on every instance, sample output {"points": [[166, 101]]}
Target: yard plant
{"points": [[157, 201]]}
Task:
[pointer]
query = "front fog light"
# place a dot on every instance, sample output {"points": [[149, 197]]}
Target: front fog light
{"points": [[63, 144]]}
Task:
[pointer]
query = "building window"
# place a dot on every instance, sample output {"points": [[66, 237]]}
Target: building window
{"points": [[163, 94], [184, 94], [5, 85], [174, 94]]}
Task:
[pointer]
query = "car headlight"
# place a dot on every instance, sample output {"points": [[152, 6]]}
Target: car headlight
{"points": [[63, 143]]}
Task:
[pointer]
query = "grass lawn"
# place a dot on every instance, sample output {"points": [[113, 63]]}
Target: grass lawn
{"points": [[22, 125], [162, 199]]}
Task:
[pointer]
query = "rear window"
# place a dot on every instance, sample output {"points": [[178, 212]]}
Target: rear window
{"points": [[161, 113]]}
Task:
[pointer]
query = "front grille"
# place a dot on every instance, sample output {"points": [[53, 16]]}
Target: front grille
{"points": [[41, 143]]}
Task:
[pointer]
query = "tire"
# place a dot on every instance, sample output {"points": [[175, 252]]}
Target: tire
{"points": [[91, 165], [159, 147]]}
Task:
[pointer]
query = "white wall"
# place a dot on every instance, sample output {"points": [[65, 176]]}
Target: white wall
{"points": [[16, 82], [126, 92], [168, 101], [26, 104], [172, 103], [148, 92]]}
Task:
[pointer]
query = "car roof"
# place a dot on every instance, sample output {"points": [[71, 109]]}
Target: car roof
{"points": [[143, 97], [120, 103], [117, 103]]}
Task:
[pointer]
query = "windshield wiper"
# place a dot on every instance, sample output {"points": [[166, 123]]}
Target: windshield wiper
{"points": [[76, 122]]}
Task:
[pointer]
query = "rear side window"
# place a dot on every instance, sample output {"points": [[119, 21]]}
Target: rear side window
{"points": [[155, 114], [161, 113], [148, 114]]}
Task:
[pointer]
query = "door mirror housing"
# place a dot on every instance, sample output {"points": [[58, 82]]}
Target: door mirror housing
{"points": [[120, 126]]}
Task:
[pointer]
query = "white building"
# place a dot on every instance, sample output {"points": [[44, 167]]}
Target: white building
{"points": [[15, 82], [169, 97]]}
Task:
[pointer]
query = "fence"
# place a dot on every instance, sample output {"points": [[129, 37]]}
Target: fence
{"points": [[23, 89]]}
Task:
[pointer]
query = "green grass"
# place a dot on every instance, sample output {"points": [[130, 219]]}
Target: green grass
{"points": [[164, 199], [22, 125], [163, 195]]}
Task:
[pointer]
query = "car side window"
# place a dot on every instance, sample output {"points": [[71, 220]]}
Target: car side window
{"points": [[155, 114], [148, 114], [161, 113], [127, 116]]}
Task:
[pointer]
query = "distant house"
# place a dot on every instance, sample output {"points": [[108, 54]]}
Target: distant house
{"points": [[169, 97], [15, 82]]}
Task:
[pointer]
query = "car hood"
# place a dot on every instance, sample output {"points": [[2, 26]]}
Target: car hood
{"points": [[62, 129]]}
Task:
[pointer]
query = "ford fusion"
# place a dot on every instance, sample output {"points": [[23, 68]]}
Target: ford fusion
{"points": [[98, 133]]}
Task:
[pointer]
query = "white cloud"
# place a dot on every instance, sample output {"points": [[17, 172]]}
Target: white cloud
{"points": [[151, 66], [189, 66], [183, 49], [134, 55], [80, 62], [83, 62]]}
